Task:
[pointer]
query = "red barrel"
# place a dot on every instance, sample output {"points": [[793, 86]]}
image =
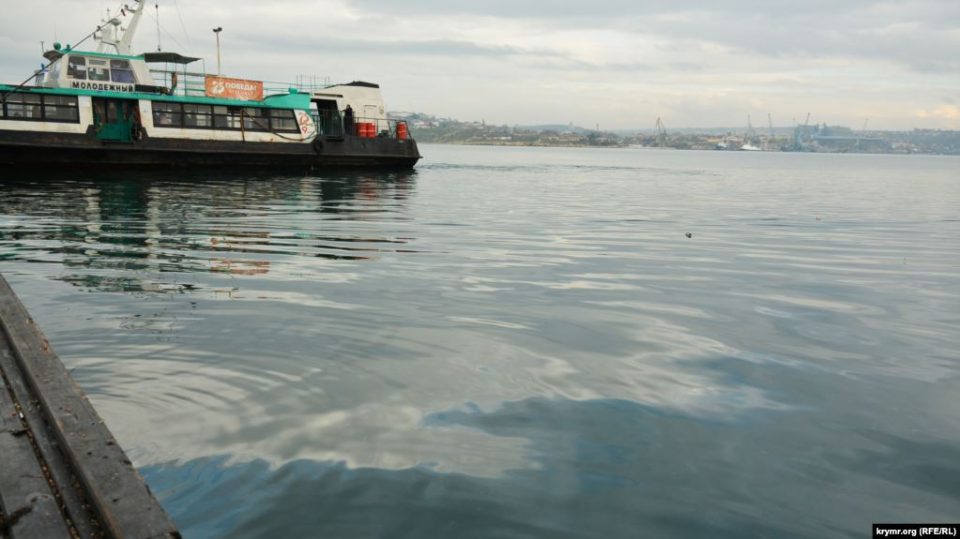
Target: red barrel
{"points": [[402, 130]]}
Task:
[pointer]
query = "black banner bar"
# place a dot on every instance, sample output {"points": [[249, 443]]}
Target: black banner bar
{"points": [[883, 531]]}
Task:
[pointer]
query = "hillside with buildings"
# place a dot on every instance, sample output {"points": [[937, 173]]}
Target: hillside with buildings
{"points": [[802, 138]]}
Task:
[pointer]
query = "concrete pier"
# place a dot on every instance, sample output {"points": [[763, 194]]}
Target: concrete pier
{"points": [[62, 474]]}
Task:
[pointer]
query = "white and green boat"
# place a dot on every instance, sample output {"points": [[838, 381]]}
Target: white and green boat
{"points": [[112, 108]]}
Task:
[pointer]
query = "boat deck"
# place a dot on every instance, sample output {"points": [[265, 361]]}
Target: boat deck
{"points": [[62, 474]]}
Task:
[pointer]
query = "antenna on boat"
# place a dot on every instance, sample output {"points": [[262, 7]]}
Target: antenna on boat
{"points": [[157, 6], [114, 35]]}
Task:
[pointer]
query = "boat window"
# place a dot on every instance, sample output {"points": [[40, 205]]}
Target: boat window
{"points": [[64, 100], [167, 114], [60, 108], [197, 109], [197, 116], [283, 120], [226, 117], [61, 114], [77, 68], [21, 111], [39, 107], [254, 119], [236, 118], [24, 98], [97, 70], [120, 72], [24, 107]]}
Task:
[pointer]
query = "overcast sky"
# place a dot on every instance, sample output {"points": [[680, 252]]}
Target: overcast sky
{"points": [[617, 63]]}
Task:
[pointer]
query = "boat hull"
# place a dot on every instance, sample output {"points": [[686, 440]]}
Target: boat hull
{"points": [[67, 150]]}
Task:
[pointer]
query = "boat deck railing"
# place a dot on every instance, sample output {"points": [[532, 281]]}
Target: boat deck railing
{"points": [[330, 123], [382, 127], [181, 82], [304, 83], [193, 83]]}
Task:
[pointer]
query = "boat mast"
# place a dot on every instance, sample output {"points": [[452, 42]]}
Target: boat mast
{"points": [[127, 41], [110, 29]]}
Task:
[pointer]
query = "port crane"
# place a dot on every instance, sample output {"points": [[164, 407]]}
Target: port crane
{"points": [[772, 138], [863, 134], [661, 133], [799, 133]]}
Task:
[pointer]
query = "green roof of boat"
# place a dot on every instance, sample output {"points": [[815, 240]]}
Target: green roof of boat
{"points": [[296, 100], [101, 54]]}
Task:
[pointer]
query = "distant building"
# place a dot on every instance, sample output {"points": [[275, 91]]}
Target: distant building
{"points": [[812, 138]]}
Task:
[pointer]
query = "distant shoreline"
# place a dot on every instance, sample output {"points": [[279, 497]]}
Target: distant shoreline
{"points": [[637, 147], [801, 138]]}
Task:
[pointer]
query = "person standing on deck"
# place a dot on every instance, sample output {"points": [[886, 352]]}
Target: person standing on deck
{"points": [[348, 120]]}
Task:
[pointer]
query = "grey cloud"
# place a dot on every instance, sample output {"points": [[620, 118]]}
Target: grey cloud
{"points": [[432, 47], [606, 9], [566, 64], [930, 50], [778, 29]]}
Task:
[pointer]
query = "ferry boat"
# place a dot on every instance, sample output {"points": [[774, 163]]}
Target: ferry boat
{"points": [[111, 108]]}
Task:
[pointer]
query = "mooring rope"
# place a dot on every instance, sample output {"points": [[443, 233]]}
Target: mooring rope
{"points": [[267, 128]]}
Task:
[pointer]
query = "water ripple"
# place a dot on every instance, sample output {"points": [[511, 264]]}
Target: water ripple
{"points": [[516, 342]]}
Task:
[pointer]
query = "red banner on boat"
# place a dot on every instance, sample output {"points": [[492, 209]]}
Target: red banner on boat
{"points": [[224, 88]]}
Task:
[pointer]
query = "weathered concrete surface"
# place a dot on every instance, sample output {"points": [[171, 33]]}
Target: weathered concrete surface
{"points": [[62, 473]]}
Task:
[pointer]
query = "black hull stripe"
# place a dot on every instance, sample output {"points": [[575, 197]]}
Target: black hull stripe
{"points": [[26, 149]]}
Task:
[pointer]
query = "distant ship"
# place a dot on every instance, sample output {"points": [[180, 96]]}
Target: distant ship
{"points": [[108, 108], [747, 147]]}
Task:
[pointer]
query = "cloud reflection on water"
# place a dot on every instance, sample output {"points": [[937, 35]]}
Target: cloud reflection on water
{"points": [[601, 468]]}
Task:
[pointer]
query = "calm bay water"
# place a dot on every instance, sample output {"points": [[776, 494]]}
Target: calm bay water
{"points": [[516, 342]]}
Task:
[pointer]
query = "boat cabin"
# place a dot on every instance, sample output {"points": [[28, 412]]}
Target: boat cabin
{"points": [[100, 72]]}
